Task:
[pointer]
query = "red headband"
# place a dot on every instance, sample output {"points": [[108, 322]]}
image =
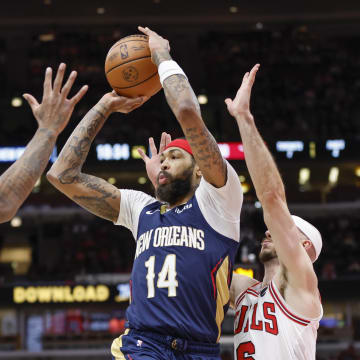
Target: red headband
{"points": [[180, 143]]}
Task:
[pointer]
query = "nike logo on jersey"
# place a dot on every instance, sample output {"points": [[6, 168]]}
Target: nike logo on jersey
{"points": [[150, 212]]}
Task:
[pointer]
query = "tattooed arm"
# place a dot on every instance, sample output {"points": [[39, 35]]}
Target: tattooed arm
{"points": [[52, 116], [183, 102], [92, 193]]}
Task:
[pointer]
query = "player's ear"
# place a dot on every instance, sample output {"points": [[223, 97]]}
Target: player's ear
{"points": [[198, 171], [307, 244]]}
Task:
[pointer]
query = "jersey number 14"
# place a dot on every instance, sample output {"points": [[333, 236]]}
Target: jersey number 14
{"points": [[166, 277]]}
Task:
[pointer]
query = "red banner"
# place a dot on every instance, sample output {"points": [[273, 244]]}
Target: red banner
{"points": [[232, 150]]}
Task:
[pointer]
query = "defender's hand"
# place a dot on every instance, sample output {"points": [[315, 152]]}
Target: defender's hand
{"points": [[55, 109], [241, 104], [153, 165]]}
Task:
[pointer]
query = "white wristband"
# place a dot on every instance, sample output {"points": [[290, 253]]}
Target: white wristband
{"points": [[168, 68]]}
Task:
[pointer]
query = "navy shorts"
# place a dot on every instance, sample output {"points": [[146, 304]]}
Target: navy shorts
{"points": [[143, 345]]}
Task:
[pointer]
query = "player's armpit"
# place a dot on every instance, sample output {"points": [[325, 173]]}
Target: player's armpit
{"points": [[90, 192], [239, 284]]}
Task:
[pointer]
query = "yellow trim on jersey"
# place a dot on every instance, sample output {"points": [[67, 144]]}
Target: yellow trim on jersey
{"points": [[223, 293], [117, 345]]}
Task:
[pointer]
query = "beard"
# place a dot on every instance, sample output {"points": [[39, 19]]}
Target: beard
{"points": [[175, 189], [267, 255]]}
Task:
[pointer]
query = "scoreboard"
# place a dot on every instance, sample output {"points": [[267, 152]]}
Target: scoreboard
{"points": [[330, 149]]}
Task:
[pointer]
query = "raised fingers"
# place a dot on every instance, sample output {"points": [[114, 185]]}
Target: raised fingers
{"points": [[68, 85], [145, 30], [59, 78], [253, 72], [162, 142], [152, 146], [142, 154], [31, 101], [168, 139], [77, 97], [47, 83]]}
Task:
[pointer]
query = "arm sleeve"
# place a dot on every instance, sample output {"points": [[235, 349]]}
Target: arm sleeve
{"points": [[131, 204], [221, 207]]}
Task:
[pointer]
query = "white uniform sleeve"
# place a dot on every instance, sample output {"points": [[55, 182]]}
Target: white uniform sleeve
{"points": [[221, 206], [131, 204]]}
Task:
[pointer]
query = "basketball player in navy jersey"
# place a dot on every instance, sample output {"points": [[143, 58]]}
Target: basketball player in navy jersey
{"points": [[186, 238], [278, 317], [52, 115]]}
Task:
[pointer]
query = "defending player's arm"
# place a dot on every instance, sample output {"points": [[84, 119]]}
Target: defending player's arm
{"points": [[52, 116], [184, 104], [271, 193], [92, 193]]}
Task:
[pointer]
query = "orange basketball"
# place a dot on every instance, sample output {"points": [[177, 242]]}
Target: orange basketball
{"points": [[129, 69]]}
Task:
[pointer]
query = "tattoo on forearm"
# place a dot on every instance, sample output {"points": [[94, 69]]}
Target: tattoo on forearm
{"points": [[160, 55], [76, 150], [18, 181], [206, 151], [73, 157], [178, 90], [94, 203], [205, 147]]}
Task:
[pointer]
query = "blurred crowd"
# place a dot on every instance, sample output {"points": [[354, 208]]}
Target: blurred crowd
{"points": [[341, 244], [90, 245], [307, 86]]}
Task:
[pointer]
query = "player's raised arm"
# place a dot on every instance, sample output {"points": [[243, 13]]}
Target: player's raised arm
{"points": [[291, 251], [184, 104], [92, 193], [52, 115]]}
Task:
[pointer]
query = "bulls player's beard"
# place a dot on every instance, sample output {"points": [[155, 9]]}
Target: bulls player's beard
{"points": [[266, 256], [175, 189]]}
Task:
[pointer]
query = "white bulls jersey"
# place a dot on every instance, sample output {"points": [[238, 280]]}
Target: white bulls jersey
{"points": [[267, 329]]}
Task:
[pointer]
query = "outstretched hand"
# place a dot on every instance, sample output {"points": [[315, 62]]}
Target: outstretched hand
{"points": [[55, 109], [241, 103], [116, 103], [153, 165]]}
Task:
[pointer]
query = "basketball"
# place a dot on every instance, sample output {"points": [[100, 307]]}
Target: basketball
{"points": [[129, 69]]}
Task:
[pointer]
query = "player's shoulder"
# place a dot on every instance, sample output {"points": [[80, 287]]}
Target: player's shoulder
{"points": [[137, 196]]}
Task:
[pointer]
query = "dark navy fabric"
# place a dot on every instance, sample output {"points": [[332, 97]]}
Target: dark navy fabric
{"points": [[137, 345], [191, 314]]}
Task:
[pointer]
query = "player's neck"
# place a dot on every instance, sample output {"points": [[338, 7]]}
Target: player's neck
{"points": [[271, 267]]}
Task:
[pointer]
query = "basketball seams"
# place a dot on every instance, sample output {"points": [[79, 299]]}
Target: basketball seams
{"points": [[128, 87], [127, 62]]}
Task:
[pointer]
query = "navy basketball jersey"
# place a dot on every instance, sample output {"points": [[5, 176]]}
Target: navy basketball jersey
{"points": [[183, 262]]}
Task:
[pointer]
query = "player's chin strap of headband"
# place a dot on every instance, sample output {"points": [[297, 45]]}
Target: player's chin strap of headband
{"points": [[180, 143], [311, 232]]}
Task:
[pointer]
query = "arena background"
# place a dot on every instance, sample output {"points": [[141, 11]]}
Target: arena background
{"points": [[64, 272]]}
